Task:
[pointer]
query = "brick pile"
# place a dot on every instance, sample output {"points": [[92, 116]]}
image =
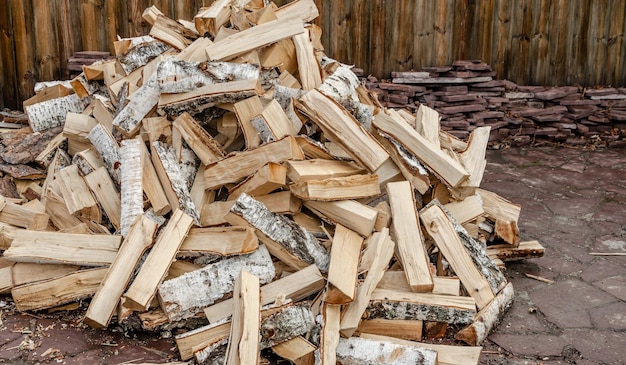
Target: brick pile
{"points": [[467, 95]]}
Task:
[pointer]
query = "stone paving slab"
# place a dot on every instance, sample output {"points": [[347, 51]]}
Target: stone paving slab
{"points": [[573, 202]]}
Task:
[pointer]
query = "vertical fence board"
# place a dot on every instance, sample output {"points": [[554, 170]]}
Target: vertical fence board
{"points": [[24, 36], [47, 58], [8, 74], [615, 44]]}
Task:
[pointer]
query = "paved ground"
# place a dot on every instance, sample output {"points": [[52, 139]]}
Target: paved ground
{"points": [[573, 202]]}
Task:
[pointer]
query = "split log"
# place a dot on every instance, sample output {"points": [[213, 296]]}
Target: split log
{"points": [[408, 164], [245, 110], [28, 148], [349, 213], [284, 238], [240, 165], [427, 124], [76, 194], [131, 173], [201, 142], [525, 250], [83, 87], [195, 52], [434, 158], [344, 263], [269, 178], [107, 195], [244, 339], [158, 262], [188, 294], [308, 66], [488, 318], [273, 124], [172, 32], [27, 272], [223, 241], [391, 304], [399, 328], [296, 286], [108, 148], [466, 210], [341, 127], [329, 338], [20, 216], [143, 101], [318, 169], [54, 292], [214, 214], [473, 157], [140, 51], [186, 342], [383, 248], [87, 161], [152, 185], [504, 213], [178, 76], [396, 280], [337, 188], [23, 172], [44, 158], [52, 113], [138, 240], [57, 210], [7, 234], [441, 229], [45, 94], [172, 180], [447, 355], [6, 280], [252, 38], [408, 237], [63, 248], [294, 349], [210, 19], [208, 96], [359, 350]]}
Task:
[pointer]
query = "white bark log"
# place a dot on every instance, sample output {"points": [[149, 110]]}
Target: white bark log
{"points": [[189, 163], [177, 181], [341, 86], [142, 102], [132, 188], [188, 294], [51, 113], [108, 148], [176, 76], [285, 96], [284, 231], [146, 49], [488, 318], [359, 351]]}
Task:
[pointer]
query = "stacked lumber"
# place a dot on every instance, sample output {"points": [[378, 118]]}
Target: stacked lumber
{"points": [[467, 95], [227, 180]]}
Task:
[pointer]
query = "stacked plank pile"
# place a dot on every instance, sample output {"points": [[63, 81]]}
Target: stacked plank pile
{"points": [[226, 172], [467, 96]]}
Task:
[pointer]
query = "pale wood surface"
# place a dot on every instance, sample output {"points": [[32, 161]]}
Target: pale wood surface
{"points": [[344, 262]]}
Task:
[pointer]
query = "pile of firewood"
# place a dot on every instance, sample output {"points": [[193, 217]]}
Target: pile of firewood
{"points": [[225, 171], [467, 96]]}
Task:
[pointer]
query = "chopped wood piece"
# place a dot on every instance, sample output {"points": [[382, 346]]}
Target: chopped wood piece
{"points": [[143, 101], [141, 50], [341, 127], [337, 188], [396, 280], [107, 195], [52, 113], [390, 304], [6, 279], [170, 175], [504, 213], [54, 292], [308, 67], [410, 167], [318, 169], [427, 124], [398, 328], [344, 262], [188, 294], [138, 240], [408, 237], [223, 241], [525, 250], [281, 202], [487, 318], [207, 96], [154, 269], [329, 338], [57, 210], [434, 158], [172, 33], [20, 216], [76, 194], [201, 142], [473, 157], [255, 37], [152, 185], [87, 161], [273, 124], [359, 350], [447, 355], [28, 148], [22, 171], [244, 339], [294, 349], [108, 148], [296, 286], [285, 239], [441, 229], [383, 248], [245, 110], [466, 210], [131, 186], [210, 19], [304, 9], [349, 213], [7, 233], [48, 93], [269, 178], [63, 248], [238, 166], [206, 334]]}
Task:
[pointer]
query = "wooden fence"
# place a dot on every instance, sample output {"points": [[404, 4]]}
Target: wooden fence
{"points": [[530, 42]]}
